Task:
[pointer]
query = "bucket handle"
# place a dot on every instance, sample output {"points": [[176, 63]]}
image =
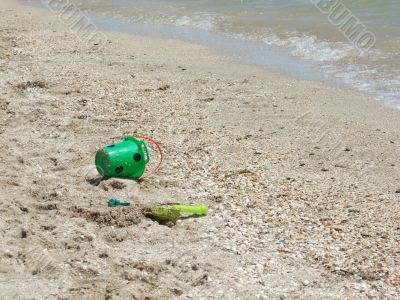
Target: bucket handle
{"points": [[143, 145], [148, 157]]}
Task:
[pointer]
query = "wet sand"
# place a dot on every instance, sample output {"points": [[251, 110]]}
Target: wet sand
{"points": [[302, 179]]}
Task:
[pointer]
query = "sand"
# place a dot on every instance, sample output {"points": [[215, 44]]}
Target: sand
{"points": [[302, 179]]}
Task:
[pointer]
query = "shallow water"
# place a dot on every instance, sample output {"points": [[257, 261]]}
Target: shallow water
{"points": [[299, 28]]}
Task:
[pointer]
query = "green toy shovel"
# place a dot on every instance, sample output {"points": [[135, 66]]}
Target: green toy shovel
{"points": [[165, 214]]}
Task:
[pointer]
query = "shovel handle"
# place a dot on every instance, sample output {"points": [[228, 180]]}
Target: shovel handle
{"points": [[200, 210]]}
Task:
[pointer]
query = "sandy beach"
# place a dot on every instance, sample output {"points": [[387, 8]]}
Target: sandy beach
{"points": [[302, 179]]}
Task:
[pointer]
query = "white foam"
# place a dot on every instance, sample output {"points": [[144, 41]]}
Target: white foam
{"points": [[339, 61], [309, 47], [204, 22]]}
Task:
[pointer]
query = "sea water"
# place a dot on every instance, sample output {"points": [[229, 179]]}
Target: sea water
{"points": [[302, 38]]}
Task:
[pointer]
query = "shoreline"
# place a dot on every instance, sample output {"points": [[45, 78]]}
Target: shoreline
{"points": [[301, 178], [257, 53]]}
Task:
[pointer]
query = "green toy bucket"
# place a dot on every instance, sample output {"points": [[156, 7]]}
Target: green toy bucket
{"points": [[127, 159]]}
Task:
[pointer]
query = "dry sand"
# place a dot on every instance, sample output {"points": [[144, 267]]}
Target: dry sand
{"points": [[300, 178]]}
